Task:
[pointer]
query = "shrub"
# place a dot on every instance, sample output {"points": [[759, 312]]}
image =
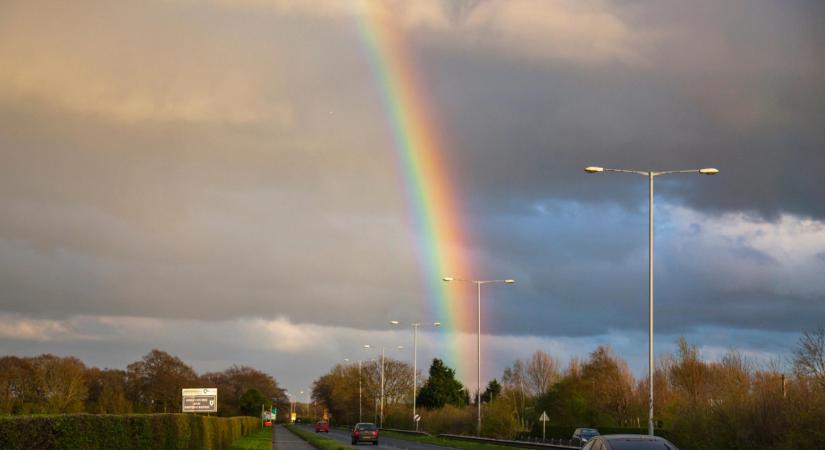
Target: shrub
{"points": [[135, 431]]}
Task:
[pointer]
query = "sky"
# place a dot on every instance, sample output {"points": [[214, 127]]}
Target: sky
{"points": [[217, 179]]}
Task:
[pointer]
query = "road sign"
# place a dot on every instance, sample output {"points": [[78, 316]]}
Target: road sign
{"points": [[199, 400], [417, 417], [544, 419]]}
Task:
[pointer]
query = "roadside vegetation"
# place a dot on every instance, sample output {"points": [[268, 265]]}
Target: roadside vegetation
{"points": [[319, 442], [130, 431], [444, 442], [258, 440], [727, 403], [49, 384]]}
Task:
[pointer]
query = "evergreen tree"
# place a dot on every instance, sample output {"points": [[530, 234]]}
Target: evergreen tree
{"points": [[492, 392], [442, 388]]}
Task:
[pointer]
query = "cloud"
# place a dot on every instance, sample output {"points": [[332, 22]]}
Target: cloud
{"points": [[276, 346]]}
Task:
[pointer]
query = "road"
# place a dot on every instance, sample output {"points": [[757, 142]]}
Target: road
{"points": [[385, 442]]}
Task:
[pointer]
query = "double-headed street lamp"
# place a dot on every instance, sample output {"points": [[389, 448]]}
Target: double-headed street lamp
{"points": [[478, 283], [650, 175], [415, 363], [381, 416]]}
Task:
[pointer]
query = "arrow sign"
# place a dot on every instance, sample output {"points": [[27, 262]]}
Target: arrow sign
{"points": [[544, 419]]}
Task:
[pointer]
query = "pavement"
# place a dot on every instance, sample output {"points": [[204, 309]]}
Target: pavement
{"points": [[386, 443], [283, 439]]}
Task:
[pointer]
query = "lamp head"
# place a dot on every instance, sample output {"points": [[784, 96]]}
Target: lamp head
{"points": [[593, 169], [448, 278], [394, 322], [708, 171], [436, 324], [510, 281]]}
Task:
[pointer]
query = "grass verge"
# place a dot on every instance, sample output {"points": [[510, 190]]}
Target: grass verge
{"points": [[444, 442], [321, 443], [258, 440]]}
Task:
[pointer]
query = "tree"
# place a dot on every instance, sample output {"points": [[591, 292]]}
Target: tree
{"points": [[541, 372], [493, 390], [155, 382], [235, 381], [107, 391], [251, 402], [61, 383], [809, 356], [441, 388]]}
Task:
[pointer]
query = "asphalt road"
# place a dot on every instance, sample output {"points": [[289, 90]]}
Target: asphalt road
{"points": [[386, 443]]}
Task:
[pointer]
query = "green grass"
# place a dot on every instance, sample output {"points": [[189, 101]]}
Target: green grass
{"points": [[444, 442], [321, 443], [258, 440]]}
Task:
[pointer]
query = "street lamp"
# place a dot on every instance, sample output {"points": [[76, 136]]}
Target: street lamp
{"points": [[478, 284], [415, 362], [381, 416], [650, 175]]}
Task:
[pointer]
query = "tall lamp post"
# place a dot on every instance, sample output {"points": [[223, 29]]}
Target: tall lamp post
{"points": [[381, 414], [359, 387], [478, 284], [650, 175], [415, 326]]}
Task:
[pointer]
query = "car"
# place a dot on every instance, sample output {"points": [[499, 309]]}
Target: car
{"points": [[628, 442], [322, 426], [582, 435], [365, 432]]}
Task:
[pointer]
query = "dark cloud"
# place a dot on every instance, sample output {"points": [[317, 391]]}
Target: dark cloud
{"points": [[237, 162]]}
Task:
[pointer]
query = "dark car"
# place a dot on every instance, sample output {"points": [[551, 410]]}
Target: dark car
{"points": [[629, 442], [322, 426], [365, 432], [582, 435]]}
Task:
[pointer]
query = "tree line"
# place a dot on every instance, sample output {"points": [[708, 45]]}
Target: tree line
{"points": [[730, 403], [49, 384]]}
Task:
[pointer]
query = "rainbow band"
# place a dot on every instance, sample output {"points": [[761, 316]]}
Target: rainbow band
{"points": [[418, 150]]}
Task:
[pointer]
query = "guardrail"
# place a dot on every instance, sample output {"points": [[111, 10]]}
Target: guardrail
{"points": [[413, 432], [512, 443]]}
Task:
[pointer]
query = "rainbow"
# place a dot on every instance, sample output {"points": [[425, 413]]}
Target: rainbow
{"points": [[418, 148]]}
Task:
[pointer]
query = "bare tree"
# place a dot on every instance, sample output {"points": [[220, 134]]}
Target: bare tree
{"points": [[809, 356], [542, 372]]}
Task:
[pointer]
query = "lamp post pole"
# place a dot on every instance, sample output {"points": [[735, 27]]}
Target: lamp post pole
{"points": [[415, 326], [650, 175], [381, 416], [478, 340]]}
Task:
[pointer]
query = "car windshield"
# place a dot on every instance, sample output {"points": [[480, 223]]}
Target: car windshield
{"points": [[365, 426], [589, 432], [640, 444]]}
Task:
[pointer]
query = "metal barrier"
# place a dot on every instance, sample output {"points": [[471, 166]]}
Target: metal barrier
{"points": [[511, 443], [413, 432]]}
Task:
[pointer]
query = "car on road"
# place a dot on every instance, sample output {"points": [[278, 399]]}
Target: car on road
{"points": [[322, 426], [628, 442], [582, 435], [365, 432]]}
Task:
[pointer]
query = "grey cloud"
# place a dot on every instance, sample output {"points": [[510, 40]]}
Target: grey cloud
{"points": [[255, 176]]}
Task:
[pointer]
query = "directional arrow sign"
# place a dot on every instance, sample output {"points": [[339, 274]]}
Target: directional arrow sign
{"points": [[544, 419]]}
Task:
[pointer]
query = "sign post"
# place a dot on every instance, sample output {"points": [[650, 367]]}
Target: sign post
{"points": [[544, 419], [196, 400]]}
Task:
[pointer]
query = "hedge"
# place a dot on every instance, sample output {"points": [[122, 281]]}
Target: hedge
{"points": [[133, 431]]}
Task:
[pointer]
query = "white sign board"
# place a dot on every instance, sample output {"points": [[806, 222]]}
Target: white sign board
{"points": [[199, 400], [544, 417]]}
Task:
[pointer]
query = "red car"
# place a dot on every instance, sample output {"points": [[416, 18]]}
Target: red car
{"points": [[322, 426]]}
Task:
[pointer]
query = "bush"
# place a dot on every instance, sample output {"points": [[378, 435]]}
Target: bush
{"points": [[137, 431]]}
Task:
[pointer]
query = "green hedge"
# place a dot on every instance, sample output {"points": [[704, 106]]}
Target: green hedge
{"points": [[134, 431]]}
